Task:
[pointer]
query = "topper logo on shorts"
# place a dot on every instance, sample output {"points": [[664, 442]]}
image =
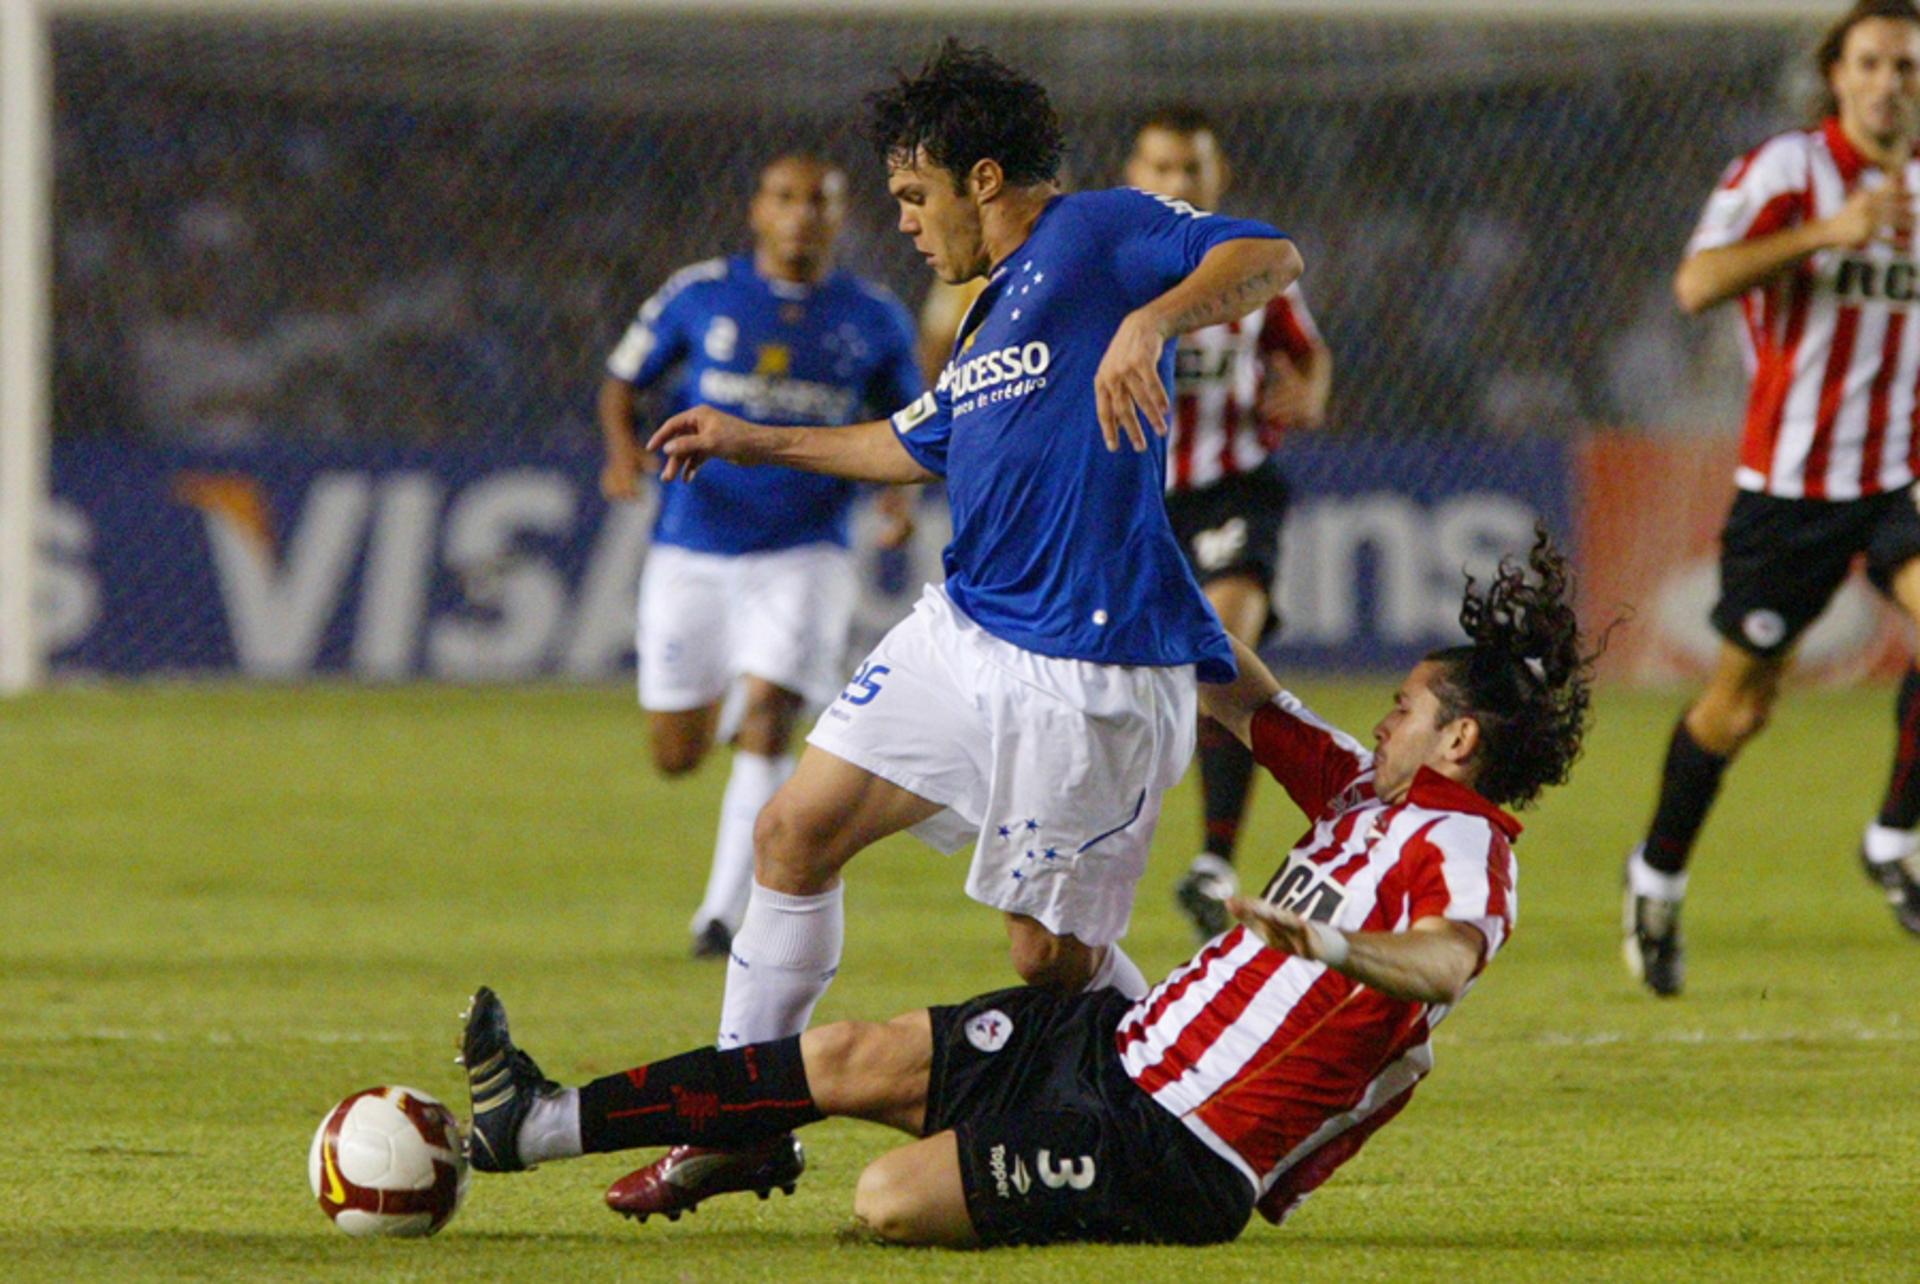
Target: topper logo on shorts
{"points": [[989, 1030]]}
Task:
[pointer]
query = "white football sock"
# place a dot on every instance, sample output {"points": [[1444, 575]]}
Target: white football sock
{"points": [[1645, 880], [1119, 972], [754, 779], [785, 953], [1885, 844], [551, 1129]]}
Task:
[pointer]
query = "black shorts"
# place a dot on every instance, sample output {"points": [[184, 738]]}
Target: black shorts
{"points": [[1056, 1142], [1233, 526], [1782, 560]]}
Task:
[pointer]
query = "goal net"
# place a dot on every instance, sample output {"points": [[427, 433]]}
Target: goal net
{"points": [[333, 294]]}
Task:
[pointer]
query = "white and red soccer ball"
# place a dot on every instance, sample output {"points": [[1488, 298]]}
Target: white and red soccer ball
{"points": [[388, 1161]]}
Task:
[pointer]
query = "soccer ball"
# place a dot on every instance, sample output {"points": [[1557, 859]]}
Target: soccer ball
{"points": [[388, 1161]]}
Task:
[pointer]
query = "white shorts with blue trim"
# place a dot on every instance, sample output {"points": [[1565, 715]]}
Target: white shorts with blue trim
{"points": [[707, 619], [1052, 769]]}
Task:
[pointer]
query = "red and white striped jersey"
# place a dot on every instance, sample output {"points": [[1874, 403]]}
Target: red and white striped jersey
{"points": [[1218, 430], [1280, 1064], [1833, 344]]}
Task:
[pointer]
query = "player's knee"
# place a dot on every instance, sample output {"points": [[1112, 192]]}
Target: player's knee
{"points": [[790, 844], [678, 755], [1049, 961], [1724, 723], [884, 1201]]}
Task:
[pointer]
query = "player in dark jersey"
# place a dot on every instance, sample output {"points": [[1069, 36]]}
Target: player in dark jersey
{"points": [[748, 588], [1063, 647], [1238, 386]]}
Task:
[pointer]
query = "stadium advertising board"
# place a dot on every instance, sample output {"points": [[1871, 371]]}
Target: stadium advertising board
{"points": [[1651, 513], [1380, 532], [476, 565]]}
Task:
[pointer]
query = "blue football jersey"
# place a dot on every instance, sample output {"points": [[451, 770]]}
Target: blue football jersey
{"points": [[1059, 546], [774, 352]]}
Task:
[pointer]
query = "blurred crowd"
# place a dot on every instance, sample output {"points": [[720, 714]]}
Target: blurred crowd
{"points": [[244, 264]]}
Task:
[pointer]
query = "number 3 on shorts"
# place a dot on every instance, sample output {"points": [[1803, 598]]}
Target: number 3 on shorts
{"points": [[866, 682]]}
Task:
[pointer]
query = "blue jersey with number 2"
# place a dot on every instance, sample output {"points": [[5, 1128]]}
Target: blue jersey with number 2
{"points": [[1059, 546]]}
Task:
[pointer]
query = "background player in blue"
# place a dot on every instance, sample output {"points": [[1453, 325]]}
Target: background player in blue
{"points": [[748, 590], [1038, 704]]}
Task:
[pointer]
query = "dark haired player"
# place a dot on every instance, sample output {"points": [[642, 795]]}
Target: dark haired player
{"points": [[1238, 386], [748, 590], [1813, 233], [1037, 704], [1248, 1075]]}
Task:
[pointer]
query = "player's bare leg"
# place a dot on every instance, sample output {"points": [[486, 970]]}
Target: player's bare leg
{"points": [[761, 765], [1889, 851], [1734, 708], [1226, 773], [876, 1071], [915, 1195], [1066, 963], [783, 957], [681, 739]]}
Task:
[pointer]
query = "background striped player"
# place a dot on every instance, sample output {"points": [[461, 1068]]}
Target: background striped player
{"points": [[1812, 232], [1238, 387]]}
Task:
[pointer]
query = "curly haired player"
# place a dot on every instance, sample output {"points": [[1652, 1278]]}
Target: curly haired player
{"points": [[1246, 1076]]}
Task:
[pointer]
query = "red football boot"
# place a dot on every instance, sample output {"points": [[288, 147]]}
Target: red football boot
{"points": [[676, 1182]]}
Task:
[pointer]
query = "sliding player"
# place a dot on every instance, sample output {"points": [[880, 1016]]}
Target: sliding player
{"points": [[748, 587], [1249, 1075], [1237, 387]]}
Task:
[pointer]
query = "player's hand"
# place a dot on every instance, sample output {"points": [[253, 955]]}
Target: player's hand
{"points": [[895, 507], [1282, 930], [620, 475], [1877, 213], [1287, 398], [692, 437], [1127, 387]]}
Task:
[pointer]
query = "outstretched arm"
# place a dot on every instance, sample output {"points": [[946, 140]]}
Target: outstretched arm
{"points": [[1431, 962], [1233, 279], [861, 452], [1233, 704]]}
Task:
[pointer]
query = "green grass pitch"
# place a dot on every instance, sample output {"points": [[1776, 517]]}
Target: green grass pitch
{"points": [[226, 908]]}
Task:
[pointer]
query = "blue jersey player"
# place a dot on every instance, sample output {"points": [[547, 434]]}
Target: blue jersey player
{"points": [[1038, 704], [749, 587]]}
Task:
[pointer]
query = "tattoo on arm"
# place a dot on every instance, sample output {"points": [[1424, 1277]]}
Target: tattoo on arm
{"points": [[1224, 304]]}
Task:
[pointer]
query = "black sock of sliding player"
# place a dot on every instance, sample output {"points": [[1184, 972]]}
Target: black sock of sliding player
{"points": [[1226, 776], [1901, 808], [708, 1097], [1688, 784]]}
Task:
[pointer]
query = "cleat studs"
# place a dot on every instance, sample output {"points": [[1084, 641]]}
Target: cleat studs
{"points": [[674, 1216], [787, 1189]]}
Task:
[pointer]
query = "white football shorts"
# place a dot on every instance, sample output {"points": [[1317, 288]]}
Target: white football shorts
{"points": [[708, 618], [1052, 769]]}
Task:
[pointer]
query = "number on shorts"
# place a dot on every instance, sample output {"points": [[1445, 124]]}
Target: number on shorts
{"points": [[866, 682]]}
